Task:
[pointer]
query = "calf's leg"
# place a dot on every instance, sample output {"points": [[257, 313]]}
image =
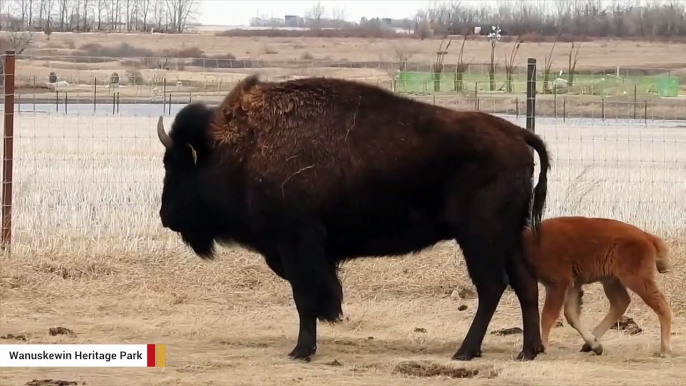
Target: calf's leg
{"points": [[554, 300], [619, 299], [573, 316], [653, 297]]}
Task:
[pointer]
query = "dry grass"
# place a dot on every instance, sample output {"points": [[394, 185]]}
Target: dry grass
{"points": [[353, 58], [90, 255], [600, 53]]}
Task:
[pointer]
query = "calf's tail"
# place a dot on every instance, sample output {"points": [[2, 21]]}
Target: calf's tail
{"points": [[662, 262]]}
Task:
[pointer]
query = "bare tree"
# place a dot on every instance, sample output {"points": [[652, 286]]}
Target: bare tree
{"points": [[62, 9], [5, 45], [437, 67], [45, 15], [338, 15], [101, 13], [135, 14], [127, 8], [114, 12], [316, 13], [158, 14], [24, 8], [19, 41], [572, 64], [598, 18], [461, 66], [76, 14], [86, 8], [509, 65], [30, 10], [145, 10], [401, 55], [179, 13], [546, 68]]}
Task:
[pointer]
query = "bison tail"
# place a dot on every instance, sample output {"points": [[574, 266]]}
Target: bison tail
{"points": [[662, 262], [541, 189]]}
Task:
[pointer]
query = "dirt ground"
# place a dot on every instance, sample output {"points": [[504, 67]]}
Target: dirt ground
{"points": [[232, 322]]}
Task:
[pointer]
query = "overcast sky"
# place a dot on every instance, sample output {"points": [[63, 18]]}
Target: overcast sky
{"points": [[239, 12]]}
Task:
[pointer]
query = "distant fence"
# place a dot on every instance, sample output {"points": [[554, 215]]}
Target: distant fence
{"points": [[82, 168], [112, 85], [85, 79], [592, 85]]}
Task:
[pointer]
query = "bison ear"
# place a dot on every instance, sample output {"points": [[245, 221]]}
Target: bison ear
{"points": [[194, 153]]}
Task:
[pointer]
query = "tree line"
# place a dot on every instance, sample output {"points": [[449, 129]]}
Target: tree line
{"points": [[553, 20], [591, 18], [169, 16]]}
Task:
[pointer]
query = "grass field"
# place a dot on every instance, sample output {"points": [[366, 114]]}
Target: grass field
{"points": [[601, 53], [74, 59], [90, 255]]}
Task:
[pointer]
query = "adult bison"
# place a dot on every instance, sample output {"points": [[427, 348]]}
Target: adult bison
{"points": [[312, 172]]}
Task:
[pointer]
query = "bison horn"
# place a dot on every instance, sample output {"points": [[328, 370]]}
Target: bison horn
{"points": [[194, 153], [162, 134]]}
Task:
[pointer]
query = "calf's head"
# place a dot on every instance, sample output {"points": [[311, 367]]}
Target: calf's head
{"points": [[183, 208]]}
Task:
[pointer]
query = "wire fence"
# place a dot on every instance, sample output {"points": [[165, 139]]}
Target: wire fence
{"points": [[88, 178]]}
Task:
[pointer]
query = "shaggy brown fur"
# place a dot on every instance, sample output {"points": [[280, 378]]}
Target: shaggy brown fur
{"points": [[574, 251]]}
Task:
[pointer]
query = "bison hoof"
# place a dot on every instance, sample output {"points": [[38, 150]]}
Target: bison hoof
{"points": [[303, 353], [467, 354], [529, 354]]}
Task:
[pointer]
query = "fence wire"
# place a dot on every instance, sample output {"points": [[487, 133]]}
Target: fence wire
{"points": [[87, 167]]}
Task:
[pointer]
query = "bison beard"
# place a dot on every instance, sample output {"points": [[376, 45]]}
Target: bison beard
{"points": [[313, 172], [201, 242]]}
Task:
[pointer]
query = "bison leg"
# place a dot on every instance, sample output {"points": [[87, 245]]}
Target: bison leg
{"points": [[525, 285], [488, 226], [317, 291], [487, 271], [306, 345]]}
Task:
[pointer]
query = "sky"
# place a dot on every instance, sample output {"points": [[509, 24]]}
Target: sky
{"points": [[239, 12]]}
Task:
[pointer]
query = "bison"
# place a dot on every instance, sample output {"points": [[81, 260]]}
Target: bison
{"points": [[575, 250], [312, 172]]}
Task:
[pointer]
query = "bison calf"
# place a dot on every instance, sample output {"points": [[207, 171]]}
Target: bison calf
{"points": [[574, 251]]}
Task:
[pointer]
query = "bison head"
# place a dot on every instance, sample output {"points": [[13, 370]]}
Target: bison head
{"points": [[185, 208]]}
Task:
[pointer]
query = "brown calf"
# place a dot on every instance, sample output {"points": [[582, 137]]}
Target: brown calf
{"points": [[574, 251]]}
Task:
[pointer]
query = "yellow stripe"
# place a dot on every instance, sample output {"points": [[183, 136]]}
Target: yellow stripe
{"points": [[160, 355]]}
